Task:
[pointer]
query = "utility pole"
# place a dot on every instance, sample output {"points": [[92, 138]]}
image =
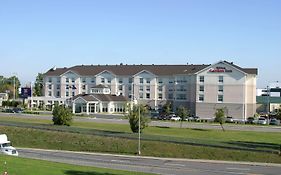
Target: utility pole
{"points": [[139, 152], [14, 96]]}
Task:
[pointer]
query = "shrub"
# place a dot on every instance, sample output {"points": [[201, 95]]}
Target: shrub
{"points": [[62, 115]]}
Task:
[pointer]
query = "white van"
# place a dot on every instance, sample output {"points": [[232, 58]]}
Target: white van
{"points": [[5, 146]]}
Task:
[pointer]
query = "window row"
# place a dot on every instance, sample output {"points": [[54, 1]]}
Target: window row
{"points": [[219, 98], [202, 79]]}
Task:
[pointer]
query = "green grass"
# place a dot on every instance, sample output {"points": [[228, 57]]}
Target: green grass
{"points": [[156, 141], [23, 166]]}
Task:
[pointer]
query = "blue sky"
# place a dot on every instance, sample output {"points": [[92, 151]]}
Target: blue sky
{"points": [[36, 35]]}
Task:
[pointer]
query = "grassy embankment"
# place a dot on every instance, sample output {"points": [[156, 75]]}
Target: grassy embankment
{"points": [[162, 142], [22, 166]]}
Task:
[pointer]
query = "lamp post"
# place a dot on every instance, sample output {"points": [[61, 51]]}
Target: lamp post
{"points": [[139, 151], [139, 123]]}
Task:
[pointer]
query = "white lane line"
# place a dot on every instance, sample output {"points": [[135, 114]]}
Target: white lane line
{"points": [[174, 164], [120, 161], [241, 169]]}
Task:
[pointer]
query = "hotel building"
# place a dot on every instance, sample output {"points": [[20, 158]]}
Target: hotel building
{"points": [[200, 88]]}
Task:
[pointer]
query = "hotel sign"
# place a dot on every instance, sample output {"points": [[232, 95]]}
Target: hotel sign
{"points": [[219, 70]]}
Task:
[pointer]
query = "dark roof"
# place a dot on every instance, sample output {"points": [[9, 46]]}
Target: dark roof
{"points": [[125, 70], [101, 97], [246, 70]]}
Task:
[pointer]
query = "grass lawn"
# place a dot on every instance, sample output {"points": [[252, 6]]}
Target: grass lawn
{"points": [[156, 141], [23, 166]]}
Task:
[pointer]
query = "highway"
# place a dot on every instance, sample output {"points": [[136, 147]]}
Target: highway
{"points": [[165, 166], [118, 119]]}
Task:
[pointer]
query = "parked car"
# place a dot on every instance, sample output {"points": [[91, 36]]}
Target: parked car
{"points": [[274, 121], [17, 110], [262, 121], [229, 119], [163, 117], [251, 120], [193, 118], [175, 118]]}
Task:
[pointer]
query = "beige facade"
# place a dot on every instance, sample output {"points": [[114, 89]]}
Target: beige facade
{"points": [[224, 85]]}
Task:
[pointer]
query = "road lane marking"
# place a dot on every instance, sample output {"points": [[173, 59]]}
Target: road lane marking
{"points": [[241, 169], [120, 161], [174, 164]]}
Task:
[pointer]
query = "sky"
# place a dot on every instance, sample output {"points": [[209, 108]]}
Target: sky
{"points": [[36, 35]]}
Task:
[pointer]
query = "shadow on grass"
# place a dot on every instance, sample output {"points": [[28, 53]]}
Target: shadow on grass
{"points": [[256, 145], [162, 126], [198, 129], [72, 172]]}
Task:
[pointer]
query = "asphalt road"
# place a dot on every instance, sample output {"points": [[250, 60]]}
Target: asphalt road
{"points": [[163, 166], [102, 118]]}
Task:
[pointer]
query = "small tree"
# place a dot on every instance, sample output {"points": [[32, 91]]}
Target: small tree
{"points": [[133, 116], [38, 86], [182, 112], [167, 108], [278, 114], [62, 115], [220, 117]]}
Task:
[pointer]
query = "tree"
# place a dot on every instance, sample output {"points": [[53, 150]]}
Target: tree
{"points": [[182, 112], [167, 108], [133, 116], [62, 115], [9, 85], [278, 114], [38, 86], [220, 117]]}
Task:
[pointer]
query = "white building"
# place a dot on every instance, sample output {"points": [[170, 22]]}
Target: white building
{"points": [[200, 88], [3, 97]]}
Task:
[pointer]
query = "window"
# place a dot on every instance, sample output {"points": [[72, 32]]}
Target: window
{"points": [[141, 95], [220, 79], [201, 79], [67, 86], [58, 86], [148, 80], [147, 95], [141, 88], [201, 97], [50, 80], [67, 80], [181, 97], [220, 98], [58, 93], [73, 93], [120, 80], [160, 96], [141, 80], [50, 93], [67, 93], [147, 88], [160, 88], [201, 88], [58, 80], [120, 87], [84, 87], [50, 86], [220, 88], [160, 81], [84, 80], [73, 80], [130, 80], [171, 81], [109, 80], [102, 80], [92, 80], [170, 96], [130, 87]]}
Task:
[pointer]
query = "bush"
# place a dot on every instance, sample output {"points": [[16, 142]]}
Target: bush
{"points": [[133, 117], [62, 115]]}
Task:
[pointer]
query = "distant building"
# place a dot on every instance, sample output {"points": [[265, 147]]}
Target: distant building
{"points": [[200, 88], [3, 97]]}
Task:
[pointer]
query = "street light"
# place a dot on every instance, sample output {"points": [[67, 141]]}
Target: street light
{"points": [[139, 139]]}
